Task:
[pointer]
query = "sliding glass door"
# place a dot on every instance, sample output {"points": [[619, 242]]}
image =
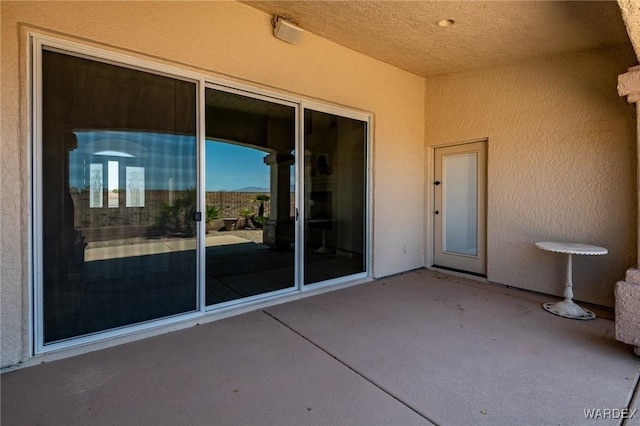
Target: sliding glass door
{"points": [[117, 192], [250, 196], [159, 198], [335, 184]]}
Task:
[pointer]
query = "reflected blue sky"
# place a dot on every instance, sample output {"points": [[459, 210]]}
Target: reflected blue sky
{"points": [[232, 167], [168, 157]]}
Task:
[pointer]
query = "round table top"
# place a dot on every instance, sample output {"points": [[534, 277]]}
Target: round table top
{"points": [[571, 248]]}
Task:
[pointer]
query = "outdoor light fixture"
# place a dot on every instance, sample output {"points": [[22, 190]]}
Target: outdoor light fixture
{"points": [[285, 30]]}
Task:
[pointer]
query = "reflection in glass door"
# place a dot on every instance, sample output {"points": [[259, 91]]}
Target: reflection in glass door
{"points": [[117, 194], [250, 197], [335, 196]]}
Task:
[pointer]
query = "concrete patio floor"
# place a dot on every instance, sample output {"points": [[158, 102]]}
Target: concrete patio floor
{"points": [[418, 348]]}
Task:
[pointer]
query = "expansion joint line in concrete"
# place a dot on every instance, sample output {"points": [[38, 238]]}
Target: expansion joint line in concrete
{"points": [[635, 396], [350, 368]]}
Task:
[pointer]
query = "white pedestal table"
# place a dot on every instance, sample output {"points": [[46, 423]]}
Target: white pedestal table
{"points": [[567, 308], [323, 224]]}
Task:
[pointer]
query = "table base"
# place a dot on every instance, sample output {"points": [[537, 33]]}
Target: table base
{"points": [[568, 309], [324, 249]]}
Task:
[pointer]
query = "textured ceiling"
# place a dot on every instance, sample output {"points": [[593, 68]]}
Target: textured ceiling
{"points": [[485, 33]]}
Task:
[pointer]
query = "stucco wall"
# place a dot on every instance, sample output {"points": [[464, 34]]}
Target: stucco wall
{"points": [[631, 14], [561, 165], [216, 38]]}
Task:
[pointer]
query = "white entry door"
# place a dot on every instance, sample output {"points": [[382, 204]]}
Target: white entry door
{"points": [[460, 207]]}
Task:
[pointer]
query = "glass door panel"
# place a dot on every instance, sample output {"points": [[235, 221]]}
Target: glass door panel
{"points": [[250, 197], [460, 200], [118, 191], [335, 196]]}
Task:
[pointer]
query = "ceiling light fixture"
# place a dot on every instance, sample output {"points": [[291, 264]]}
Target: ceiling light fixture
{"points": [[286, 30], [445, 23]]}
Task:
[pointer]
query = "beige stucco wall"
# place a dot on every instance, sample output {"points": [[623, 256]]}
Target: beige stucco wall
{"points": [[561, 165], [630, 10], [216, 38]]}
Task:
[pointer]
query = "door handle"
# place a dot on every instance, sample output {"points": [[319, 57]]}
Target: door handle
{"points": [[437, 182], [437, 212]]}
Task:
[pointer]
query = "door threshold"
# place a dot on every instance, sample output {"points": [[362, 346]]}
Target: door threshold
{"points": [[468, 274]]}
